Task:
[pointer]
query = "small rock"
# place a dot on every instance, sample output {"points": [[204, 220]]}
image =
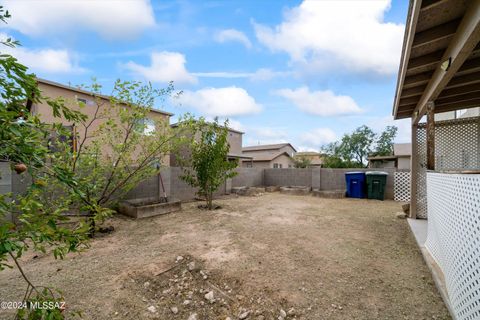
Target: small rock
{"points": [[401, 215], [283, 314], [209, 296], [228, 318], [179, 258], [291, 312], [152, 309], [244, 315], [146, 284], [191, 266], [174, 310], [186, 302], [193, 316]]}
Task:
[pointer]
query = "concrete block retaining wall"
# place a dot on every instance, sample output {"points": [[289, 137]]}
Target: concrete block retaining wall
{"points": [[316, 178], [334, 179], [248, 177], [288, 177]]}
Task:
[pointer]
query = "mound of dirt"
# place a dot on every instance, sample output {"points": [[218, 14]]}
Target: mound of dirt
{"points": [[189, 292]]}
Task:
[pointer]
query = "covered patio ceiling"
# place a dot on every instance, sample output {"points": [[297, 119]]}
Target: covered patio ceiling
{"points": [[440, 62]]}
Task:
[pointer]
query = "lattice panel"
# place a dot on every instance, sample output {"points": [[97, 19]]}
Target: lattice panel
{"points": [[454, 238], [421, 173], [401, 186], [457, 147]]}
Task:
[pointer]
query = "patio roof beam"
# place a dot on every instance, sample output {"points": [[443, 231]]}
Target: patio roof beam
{"points": [[436, 33], [458, 105], [417, 79], [461, 46]]}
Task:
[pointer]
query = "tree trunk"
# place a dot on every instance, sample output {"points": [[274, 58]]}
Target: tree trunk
{"points": [[91, 223]]}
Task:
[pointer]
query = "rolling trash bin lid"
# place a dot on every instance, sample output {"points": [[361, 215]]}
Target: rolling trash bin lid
{"points": [[377, 173], [355, 172]]}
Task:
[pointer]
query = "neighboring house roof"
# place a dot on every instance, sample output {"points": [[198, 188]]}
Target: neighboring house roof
{"points": [[378, 158], [269, 157], [267, 147], [308, 153], [79, 90], [239, 156], [174, 125]]}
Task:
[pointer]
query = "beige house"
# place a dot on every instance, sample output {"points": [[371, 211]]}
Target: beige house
{"points": [[270, 156], [315, 158], [400, 159], [72, 96], [234, 139]]}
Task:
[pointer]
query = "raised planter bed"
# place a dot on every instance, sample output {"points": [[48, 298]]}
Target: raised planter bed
{"points": [[331, 194], [148, 207], [295, 190], [248, 191], [272, 188]]}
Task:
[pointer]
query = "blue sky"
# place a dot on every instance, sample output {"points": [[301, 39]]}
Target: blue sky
{"points": [[304, 72]]}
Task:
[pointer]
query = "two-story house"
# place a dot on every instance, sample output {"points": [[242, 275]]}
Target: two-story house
{"points": [[269, 156], [234, 140], [72, 95]]}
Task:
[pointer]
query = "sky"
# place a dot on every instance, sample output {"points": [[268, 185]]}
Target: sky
{"points": [[304, 72]]}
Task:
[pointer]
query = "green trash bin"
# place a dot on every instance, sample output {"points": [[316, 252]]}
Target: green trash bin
{"points": [[376, 182]]}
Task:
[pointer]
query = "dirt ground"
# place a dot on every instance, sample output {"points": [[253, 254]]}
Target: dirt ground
{"points": [[267, 257]]}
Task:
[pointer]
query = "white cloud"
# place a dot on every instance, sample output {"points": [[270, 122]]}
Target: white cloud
{"points": [[110, 18], [44, 60], [233, 35], [222, 102], [270, 133], [322, 103], [323, 34], [261, 74], [165, 67], [315, 139]]}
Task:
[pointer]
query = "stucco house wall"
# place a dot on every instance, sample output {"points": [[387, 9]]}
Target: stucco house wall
{"points": [[71, 95]]}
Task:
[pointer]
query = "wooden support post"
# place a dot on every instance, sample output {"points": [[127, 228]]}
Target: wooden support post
{"points": [[430, 136], [413, 172]]}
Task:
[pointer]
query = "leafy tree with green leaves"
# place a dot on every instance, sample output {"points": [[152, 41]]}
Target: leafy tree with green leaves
{"points": [[353, 149], [127, 147], [208, 166], [25, 221], [301, 162], [385, 141]]}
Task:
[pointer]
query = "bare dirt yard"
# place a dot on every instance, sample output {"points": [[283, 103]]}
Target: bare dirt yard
{"points": [[267, 257]]}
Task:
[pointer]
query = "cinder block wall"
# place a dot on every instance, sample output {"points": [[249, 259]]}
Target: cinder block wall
{"points": [[288, 177], [248, 177], [152, 187], [334, 179]]}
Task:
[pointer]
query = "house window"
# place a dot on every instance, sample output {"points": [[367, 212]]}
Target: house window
{"points": [[85, 102], [277, 165], [146, 126]]}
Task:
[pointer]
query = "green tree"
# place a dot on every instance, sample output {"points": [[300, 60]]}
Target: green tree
{"points": [[353, 149], [301, 162], [385, 141], [126, 148], [25, 221], [208, 164]]}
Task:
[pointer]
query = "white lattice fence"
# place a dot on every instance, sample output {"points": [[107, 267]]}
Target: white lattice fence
{"points": [[454, 238], [401, 186], [457, 147]]}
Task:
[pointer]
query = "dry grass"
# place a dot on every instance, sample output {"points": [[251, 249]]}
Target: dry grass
{"points": [[325, 258]]}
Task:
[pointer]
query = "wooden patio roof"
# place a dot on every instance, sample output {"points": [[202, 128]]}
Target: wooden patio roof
{"points": [[440, 62]]}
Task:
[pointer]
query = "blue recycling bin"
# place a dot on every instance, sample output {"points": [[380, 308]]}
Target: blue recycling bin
{"points": [[355, 184]]}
